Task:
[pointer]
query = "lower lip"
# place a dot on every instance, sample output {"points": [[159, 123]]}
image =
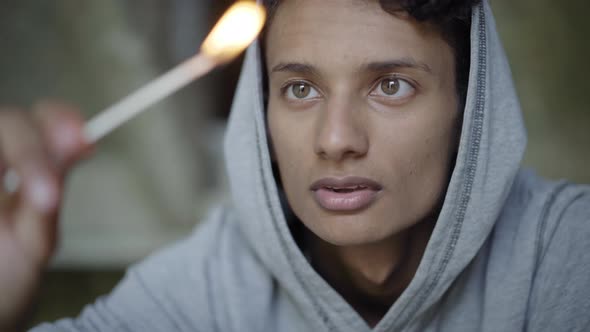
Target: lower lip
{"points": [[351, 201]]}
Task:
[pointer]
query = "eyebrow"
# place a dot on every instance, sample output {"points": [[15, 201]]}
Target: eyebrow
{"points": [[398, 64], [294, 67], [379, 66]]}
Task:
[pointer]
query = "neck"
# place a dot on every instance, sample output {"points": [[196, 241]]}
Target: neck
{"points": [[371, 277]]}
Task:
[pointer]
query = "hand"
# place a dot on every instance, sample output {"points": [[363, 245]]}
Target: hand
{"points": [[40, 147]]}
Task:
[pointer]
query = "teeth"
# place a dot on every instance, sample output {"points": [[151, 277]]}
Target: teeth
{"points": [[346, 189]]}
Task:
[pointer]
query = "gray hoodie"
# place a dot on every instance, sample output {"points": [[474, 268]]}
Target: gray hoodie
{"points": [[509, 252]]}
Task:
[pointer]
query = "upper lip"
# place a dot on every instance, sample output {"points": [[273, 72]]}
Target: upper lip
{"points": [[347, 182]]}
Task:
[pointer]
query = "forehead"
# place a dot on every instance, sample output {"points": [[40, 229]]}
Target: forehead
{"points": [[347, 31]]}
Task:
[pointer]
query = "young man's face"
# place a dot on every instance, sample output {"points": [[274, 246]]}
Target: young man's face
{"points": [[363, 117]]}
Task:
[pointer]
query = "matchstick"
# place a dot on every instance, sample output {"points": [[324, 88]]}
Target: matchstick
{"points": [[156, 90]]}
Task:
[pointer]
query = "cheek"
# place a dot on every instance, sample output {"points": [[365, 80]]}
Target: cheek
{"points": [[433, 126], [288, 143], [421, 147]]}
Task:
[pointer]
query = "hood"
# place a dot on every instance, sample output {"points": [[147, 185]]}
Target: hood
{"points": [[491, 148]]}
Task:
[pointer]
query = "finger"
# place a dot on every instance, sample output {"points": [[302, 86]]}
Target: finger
{"points": [[34, 214], [35, 228], [7, 203], [63, 127], [23, 151], [39, 190], [31, 211], [9, 186], [20, 140], [5, 194]]}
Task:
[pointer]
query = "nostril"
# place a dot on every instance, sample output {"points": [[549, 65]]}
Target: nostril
{"points": [[339, 146]]}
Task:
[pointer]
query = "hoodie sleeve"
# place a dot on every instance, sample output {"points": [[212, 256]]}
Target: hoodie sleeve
{"points": [[168, 291], [560, 297]]}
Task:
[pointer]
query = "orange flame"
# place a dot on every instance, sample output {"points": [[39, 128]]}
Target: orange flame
{"points": [[238, 27]]}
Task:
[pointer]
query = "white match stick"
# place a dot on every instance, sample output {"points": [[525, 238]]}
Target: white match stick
{"points": [[238, 27], [156, 90]]}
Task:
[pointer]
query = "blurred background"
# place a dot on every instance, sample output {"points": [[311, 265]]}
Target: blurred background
{"points": [[153, 179]]}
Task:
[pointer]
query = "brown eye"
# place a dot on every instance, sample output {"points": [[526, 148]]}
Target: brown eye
{"points": [[300, 90], [390, 86]]}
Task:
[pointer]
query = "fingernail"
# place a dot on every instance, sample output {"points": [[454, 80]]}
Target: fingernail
{"points": [[10, 181], [42, 195], [67, 141]]}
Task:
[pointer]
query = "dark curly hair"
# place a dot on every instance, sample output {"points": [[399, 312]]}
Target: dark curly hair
{"points": [[422, 10], [451, 17]]}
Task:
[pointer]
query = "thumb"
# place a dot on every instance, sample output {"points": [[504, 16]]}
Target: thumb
{"points": [[63, 127]]}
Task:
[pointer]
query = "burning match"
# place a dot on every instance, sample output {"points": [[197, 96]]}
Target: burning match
{"points": [[236, 29]]}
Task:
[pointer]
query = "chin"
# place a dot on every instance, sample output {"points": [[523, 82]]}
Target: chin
{"points": [[350, 229]]}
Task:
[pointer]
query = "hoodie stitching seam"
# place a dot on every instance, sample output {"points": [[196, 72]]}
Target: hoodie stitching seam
{"points": [[544, 216]]}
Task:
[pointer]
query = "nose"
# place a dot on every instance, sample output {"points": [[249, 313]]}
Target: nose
{"points": [[341, 131]]}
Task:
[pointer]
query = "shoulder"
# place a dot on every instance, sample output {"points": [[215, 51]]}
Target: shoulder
{"points": [[565, 221], [566, 235], [557, 211], [195, 249], [548, 205], [560, 293], [571, 207], [194, 267], [216, 252], [178, 288], [210, 279]]}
